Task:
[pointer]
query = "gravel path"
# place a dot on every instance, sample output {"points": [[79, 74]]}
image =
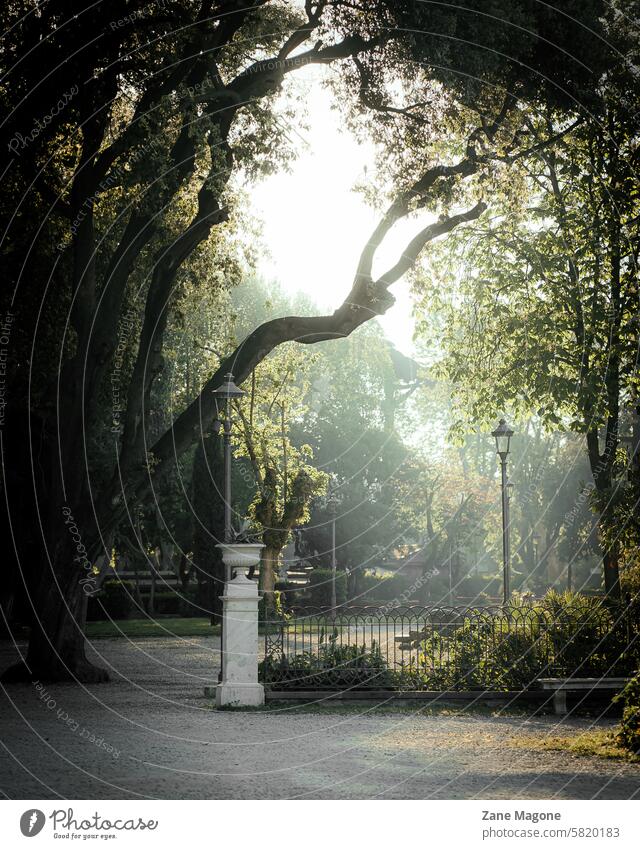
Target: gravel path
{"points": [[151, 733]]}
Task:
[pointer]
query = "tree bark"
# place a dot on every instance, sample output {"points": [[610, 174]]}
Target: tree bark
{"points": [[602, 471], [57, 641], [268, 570]]}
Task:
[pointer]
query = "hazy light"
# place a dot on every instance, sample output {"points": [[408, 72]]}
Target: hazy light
{"points": [[315, 225]]}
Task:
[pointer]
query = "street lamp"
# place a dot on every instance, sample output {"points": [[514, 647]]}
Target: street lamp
{"points": [[332, 507], [223, 396], [502, 435]]}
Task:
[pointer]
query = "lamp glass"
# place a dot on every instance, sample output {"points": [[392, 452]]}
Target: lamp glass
{"points": [[502, 435]]}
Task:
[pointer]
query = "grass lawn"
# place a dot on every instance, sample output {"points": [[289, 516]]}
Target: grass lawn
{"points": [[600, 743], [164, 627], [180, 627]]}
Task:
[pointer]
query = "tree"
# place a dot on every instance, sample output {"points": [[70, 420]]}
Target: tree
{"points": [[187, 103], [130, 177], [544, 320], [285, 477]]}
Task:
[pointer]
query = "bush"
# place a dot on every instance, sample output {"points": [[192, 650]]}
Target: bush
{"points": [[478, 655], [383, 588], [366, 584], [336, 667], [290, 593], [588, 637], [319, 590], [478, 588], [187, 603], [394, 587], [167, 602], [564, 634], [116, 598], [629, 733], [630, 584]]}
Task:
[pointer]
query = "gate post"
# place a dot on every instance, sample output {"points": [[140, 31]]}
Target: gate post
{"points": [[239, 686]]}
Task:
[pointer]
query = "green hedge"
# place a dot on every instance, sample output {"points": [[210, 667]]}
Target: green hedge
{"points": [[629, 733], [383, 588], [341, 667], [563, 634], [319, 590], [116, 598]]}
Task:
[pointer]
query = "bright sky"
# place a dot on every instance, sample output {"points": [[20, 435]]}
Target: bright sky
{"points": [[315, 225]]}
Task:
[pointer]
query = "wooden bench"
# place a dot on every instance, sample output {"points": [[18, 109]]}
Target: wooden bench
{"points": [[561, 686]]}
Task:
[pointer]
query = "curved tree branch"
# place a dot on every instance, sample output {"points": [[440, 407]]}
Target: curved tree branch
{"points": [[362, 304]]}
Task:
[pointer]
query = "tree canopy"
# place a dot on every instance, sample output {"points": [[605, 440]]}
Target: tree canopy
{"points": [[127, 129]]}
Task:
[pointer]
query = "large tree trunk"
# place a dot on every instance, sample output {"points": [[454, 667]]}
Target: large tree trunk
{"points": [[55, 547], [602, 471], [57, 642], [268, 571], [208, 525], [611, 566]]}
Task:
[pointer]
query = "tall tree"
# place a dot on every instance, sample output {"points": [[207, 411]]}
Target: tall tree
{"points": [[545, 318], [129, 171]]}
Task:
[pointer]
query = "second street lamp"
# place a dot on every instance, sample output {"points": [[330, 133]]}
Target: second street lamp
{"points": [[502, 435], [332, 505], [223, 396]]}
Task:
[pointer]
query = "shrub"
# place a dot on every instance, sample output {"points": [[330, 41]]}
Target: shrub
{"points": [[394, 587], [187, 603], [629, 733], [477, 654], [290, 593], [319, 590], [337, 667], [478, 587], [116, 598], [630, 584], [564, 634], [587, 636], [167, 602], [384, 588], [366, 584]]}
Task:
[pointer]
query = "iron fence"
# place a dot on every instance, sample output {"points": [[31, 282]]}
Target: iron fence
{"points": [[442, 648]]}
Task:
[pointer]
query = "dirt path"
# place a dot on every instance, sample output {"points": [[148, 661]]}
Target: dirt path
{"points": [[151, 733]]}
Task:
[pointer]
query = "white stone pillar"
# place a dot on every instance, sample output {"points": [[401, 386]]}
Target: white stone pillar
{"points": [[239, 686]]}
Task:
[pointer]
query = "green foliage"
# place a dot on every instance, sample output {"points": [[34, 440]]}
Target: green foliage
{"points": [[470, 43], [167, 602], [479, 588], [564, 634], [163, 628], [630, 581], [116, 598], [629, 733], [319, 590], [382, 588], [480, 655], [587, 637], [535, 302], [334, 666]]}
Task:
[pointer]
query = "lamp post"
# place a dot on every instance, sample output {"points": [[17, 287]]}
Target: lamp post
{"points": [[223, 396], [502, 435], [332, 506]]}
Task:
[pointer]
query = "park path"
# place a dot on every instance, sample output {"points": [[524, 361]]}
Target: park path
{"points": [[150, 733]]}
